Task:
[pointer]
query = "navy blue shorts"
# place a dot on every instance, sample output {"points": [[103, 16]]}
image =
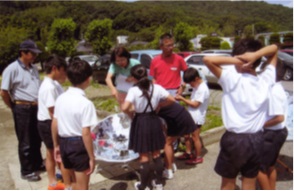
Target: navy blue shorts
{"points": [[44, 128], [239, 153], [74, 154], [273, 142]]}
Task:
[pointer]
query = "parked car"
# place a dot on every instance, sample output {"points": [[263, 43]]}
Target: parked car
{"points": [[217, 51], [145, 56], [185, 54], [196, 61], [287, 61], [100, 68], [288, 51], [90, 58]]}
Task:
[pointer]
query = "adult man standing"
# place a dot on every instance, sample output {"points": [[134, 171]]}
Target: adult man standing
{"points": [[19, 91], [166, 68], [166, 71]]}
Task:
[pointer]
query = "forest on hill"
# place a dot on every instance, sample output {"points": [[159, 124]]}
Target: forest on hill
{"points": [[57, 26], [142, 18]]}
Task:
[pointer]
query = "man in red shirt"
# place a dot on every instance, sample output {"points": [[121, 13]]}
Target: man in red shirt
{"points": [[166, 71], [166, 68]]}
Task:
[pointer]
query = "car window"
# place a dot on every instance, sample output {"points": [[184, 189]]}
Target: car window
{"points": [[135, 56], [195, 60], [145, 60]]}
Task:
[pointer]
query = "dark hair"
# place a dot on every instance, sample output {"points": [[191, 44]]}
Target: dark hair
{"points": [[139, 72], [78, 71], [190, 74], [165, 36], [120, 51], [74, 58], [247, 45], [24, 51], [56, 61]]}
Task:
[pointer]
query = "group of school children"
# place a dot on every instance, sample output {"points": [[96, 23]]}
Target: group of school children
{"points": [[253, 108], [253, 111]]}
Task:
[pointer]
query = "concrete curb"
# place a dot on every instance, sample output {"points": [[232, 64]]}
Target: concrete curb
{"points": [[213, 135]]}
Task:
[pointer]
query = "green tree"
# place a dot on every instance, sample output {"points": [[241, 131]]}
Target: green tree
{"points": [[225, 45], [183, 33], [61, 37], [210, 43], [159, 31], [288, 38], [261, 39], [274, 38], [98, 33], [10, 39]]}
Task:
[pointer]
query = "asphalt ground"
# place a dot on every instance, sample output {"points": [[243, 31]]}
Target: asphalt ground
{"points": [[112, 176]]}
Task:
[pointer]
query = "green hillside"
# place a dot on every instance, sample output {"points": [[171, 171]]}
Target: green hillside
{"points": [[142, 18]]}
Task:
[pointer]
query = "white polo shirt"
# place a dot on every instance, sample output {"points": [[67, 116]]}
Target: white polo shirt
{"points": [[74, 111], [48, 93], [278, 105], [135, 97], [245, 99], [199, 94]]}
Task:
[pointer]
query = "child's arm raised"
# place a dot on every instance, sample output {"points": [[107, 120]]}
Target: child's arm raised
{"points": [[214, 63], [270, 52]]}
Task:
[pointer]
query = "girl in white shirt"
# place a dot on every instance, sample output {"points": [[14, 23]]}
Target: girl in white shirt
{"points": [[146, 134]]}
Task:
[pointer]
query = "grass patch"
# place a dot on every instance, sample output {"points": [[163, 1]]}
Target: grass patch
{"points": [[213, 115], [108, 104], [213, 118]]}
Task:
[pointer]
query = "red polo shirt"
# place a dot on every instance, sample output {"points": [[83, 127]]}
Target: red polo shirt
{"points": [[167, 70]]}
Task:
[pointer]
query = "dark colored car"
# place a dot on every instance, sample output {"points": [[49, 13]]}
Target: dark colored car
{"points": [[100, 68], [288, 51], [287, 61]]}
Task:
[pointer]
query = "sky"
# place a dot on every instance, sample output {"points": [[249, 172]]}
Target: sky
{"points": [[286, 3]]}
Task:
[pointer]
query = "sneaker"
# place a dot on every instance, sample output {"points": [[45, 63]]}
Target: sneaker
{"points": [[32, 177], [168, 174], [174, 167], [137, 185], [195, 161], [156, 186], [57, 186], [185, 156]]}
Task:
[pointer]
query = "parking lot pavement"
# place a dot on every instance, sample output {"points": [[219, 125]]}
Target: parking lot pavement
{"points": [[111, 176]]}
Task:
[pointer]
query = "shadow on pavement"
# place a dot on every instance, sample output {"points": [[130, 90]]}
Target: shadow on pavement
{"points": [[284, 167]]}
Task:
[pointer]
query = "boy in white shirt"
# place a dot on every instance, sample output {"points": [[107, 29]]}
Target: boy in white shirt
{"points": [[71, 128], [275, 134], [244, 107], [197, 106], [55, 68]]}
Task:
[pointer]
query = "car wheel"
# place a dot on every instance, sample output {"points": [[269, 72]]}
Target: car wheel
{"points": [[288, 75]]}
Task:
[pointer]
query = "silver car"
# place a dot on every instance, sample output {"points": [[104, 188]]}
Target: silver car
{"points": [[196, 61]]}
